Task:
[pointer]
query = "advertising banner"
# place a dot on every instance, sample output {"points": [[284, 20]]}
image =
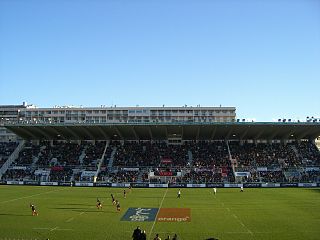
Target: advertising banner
{"points": [[158, 185], [212, 185], [84, 184], [202, 185], [49, 183]]}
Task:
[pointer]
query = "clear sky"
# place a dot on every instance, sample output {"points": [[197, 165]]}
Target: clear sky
{"points": [[262, 57]]}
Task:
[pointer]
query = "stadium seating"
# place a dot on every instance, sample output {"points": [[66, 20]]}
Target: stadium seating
{"points": [[190, 162], [6, 149]]}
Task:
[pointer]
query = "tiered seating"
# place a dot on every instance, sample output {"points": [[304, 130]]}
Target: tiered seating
{"points": [[93, 153], [27, 155], [61, 153], [211, 163], [262, 155], [177, 154], [62, 174], [210, 154], [137, 154], [123, 176], [18, 174], [6, 149], [309, 153], [202, 177]]}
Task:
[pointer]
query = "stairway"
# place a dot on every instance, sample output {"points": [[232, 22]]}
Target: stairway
{"points": [[12, 158], [110, 164], [233, 161], [295, 150], [190, 158], [100, 160], [83, 154]]}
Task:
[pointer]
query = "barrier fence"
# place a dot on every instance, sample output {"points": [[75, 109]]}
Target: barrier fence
{"points": [[167, 185]]}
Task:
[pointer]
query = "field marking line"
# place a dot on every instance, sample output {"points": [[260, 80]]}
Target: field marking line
{"points": [[242, 224], [70, 219], [235, 216], [52, 229], [154, 222], [16, 199]]}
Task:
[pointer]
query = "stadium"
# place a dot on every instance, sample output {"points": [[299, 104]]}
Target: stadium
{"points": [[194, 172]]}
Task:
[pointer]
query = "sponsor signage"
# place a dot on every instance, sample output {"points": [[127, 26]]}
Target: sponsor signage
{"points": [[131, 169], [252, 185], [64, 183], [165, 173], [158, 185], [140, 185], [31, 183], [15, 182], [242, 174], [84, 184], [120, 184], [262, 169], [49, 183], [196, 185], [307, 184], [288, 184], [166, 160], [174, 215], [98, 184], [312, 169], [88, 173], [270, 185], [140, 215], [41, 172], [18, 168], [212, 185], [232, 185], [176, 185]]}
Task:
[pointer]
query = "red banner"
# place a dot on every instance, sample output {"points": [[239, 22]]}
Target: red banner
{"points": [[165, 173], [57, 168]]}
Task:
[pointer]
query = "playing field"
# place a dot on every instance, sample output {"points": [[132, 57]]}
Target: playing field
{"points": [[71, 213]]}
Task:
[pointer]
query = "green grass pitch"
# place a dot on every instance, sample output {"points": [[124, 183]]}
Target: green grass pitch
{"points": [[70, 213]]}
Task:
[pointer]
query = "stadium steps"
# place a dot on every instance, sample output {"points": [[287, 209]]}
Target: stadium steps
{"points": [[36, 158], [83, 154], [233, 161], [110, 164], [295, 150], [12, 158], [190, 158], [100, 161]]}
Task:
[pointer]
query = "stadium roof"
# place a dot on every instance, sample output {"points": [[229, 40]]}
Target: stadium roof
{"points": [[158, 131]]}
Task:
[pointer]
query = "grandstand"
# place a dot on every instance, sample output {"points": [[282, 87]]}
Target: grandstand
{"points": [[183, 145]]}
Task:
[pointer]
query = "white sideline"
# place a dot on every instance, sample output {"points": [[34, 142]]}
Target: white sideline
{"points": [[16, 199], [154, 222], [234, 216]]}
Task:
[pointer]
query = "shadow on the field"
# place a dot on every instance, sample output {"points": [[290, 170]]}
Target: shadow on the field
{"points": [[211, 239], [96, 211], [70, 208], [315, 190], [75, 204], [16, 215]]}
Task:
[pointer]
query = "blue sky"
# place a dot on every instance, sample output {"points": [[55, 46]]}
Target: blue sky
{"points": [[262, 57]]}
